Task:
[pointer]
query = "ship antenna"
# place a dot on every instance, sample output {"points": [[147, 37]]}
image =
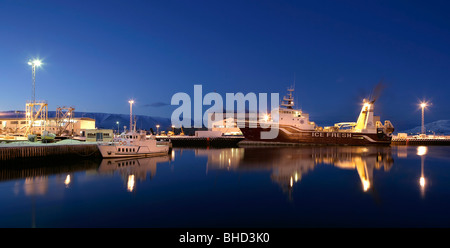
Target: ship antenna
{"points": [[294, 80], [295, 93]]}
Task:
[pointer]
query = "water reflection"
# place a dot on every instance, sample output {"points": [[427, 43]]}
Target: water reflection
{"points": [[422, 151], [289, 164], [132, 169], [38, 174], [322, 175]]}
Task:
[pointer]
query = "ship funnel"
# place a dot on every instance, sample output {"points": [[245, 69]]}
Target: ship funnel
{"points": [[365, 119]]}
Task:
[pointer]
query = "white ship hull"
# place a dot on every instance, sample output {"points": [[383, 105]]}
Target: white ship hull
{"points": [[113, 151]]}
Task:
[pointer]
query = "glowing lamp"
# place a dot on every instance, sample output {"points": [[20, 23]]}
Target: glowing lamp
{"points": [[35, 62]]}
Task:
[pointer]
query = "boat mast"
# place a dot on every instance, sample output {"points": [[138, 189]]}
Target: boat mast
{"points": [[288, 101], [131, 114]]}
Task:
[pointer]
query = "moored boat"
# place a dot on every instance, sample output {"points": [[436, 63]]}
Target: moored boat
{"points": [[294, 126], [132, 144]]}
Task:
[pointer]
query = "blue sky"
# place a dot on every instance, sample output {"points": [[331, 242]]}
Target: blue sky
{"points": [[99, 54]]}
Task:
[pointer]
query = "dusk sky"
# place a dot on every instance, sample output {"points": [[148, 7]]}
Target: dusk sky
{"points": [[99, 54]]}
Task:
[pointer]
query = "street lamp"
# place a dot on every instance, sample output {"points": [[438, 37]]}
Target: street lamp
{"points": [[118, 131], [157, 129], [423, 105], [131, 114], [34, 63]]}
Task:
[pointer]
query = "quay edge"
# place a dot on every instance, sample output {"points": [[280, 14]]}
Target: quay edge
{"points": [[49, 150]]}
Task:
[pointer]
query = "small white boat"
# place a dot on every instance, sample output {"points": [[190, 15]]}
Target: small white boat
{"points": [[132, 144]]}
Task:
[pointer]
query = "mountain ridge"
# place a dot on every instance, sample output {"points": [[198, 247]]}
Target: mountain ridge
{"points": [[441, 127]]}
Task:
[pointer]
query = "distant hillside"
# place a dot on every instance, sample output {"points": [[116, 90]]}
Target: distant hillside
{"points": [[437, 127]]}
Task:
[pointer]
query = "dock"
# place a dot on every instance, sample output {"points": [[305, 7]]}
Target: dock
{"points": [[19, 150], [194, 141], [66, 148], [11, 152], [249, 143], [421, 141]]}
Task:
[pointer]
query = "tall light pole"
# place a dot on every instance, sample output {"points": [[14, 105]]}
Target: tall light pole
{"points": [[31, 113], [34, 63], [131, 114], [157, 129], [423, 105], [118, 130]]}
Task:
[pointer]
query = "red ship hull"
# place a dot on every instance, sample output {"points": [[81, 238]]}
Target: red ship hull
{"points": [[288, 134]]}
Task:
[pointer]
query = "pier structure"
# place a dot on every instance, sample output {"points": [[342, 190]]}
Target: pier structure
{"points": [[64, 120], [50, 150], [36, 115], [421, 140]]}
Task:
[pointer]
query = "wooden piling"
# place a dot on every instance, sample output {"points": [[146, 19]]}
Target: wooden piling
{"points": [[421, 141], [15, 152]]}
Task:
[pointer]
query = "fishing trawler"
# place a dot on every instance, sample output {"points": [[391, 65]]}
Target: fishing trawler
{"points": [[294, 126], [132, 144]]}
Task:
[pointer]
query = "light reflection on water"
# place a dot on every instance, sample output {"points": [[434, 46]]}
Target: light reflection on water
{"points": [[289, 164], [311, 186]]}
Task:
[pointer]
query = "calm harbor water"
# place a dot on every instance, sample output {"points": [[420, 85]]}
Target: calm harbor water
{"points": [[317, 186]]}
